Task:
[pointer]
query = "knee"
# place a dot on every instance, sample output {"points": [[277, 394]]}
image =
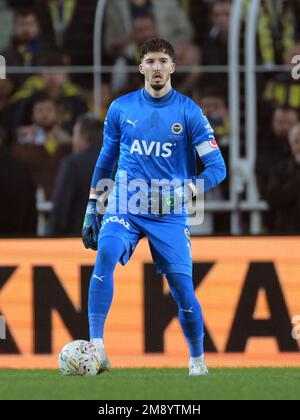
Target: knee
{"points": [[110, 251], [107, 260], [185, 298]]}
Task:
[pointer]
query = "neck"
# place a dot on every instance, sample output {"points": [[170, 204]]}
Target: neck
{"points": [[158, 93], [50, 129]]}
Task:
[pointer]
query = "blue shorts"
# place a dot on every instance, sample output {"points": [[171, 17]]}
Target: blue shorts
{"points": [[169, 239]]}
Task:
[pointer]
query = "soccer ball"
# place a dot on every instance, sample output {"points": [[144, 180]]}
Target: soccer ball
{"points": [[79, 358]]}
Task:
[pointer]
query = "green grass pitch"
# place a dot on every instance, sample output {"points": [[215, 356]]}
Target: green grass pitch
{"points": [[147, 384]]}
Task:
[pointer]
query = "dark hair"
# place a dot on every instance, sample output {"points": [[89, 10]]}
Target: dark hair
{"points": [[41, 97], [213, 92], [89, 128], [52, 58], [157, 45], [144, 15], [23, 12]]}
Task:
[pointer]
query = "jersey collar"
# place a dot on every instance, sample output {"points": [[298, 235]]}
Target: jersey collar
{"points": [[158, 101]]}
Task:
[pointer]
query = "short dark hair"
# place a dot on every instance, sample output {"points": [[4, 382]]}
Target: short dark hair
{"points": [[52, 58], [157, 45], [90, 128], [148, 15], [213, 92], [40, 97], [24, 12]]}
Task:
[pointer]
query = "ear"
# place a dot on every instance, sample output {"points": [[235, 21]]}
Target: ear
{"points": [[141, 68], [173, 67]]}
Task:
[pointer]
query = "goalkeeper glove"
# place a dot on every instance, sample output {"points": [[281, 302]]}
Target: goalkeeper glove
{"points": [[166, 202], [91, 227]]}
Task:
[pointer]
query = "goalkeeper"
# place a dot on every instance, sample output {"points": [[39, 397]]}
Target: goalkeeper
{"points": [[153, 135]]}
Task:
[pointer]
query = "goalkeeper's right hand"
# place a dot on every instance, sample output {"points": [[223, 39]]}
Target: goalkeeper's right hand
{"points": [[91, 227]]}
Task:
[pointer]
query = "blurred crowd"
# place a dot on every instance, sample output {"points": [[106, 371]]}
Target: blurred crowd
{"points": [[50, 137]]}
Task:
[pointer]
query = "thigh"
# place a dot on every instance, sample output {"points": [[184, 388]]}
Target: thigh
{"points": [[123, 228], [170, 245]]}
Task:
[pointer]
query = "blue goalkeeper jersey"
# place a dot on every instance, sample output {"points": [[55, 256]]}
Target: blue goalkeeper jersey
{"points": [[154, 139]]}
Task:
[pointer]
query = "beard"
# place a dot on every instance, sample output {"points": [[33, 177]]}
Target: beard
{"points": [[160, 84], [158, 87]]}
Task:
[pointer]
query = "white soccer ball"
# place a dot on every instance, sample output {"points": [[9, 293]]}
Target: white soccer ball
{"points": [[79, 358]]}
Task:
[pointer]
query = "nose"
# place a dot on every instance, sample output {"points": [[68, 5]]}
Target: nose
{"points": [[157, 65]]}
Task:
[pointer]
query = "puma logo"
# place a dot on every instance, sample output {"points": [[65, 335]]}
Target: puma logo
{"points": [[132, 123]]}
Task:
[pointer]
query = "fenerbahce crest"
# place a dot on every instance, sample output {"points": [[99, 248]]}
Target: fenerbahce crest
{"points": [[177, 128]]}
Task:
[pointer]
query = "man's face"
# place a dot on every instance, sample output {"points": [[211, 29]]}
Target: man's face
{"points": [[213, 107], [45, 114], [26, 28], [221, 16], [157, 68], [144, 29], [54, 81], [283, 121]]}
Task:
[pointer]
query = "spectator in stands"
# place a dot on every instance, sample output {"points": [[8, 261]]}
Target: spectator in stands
{"points": [[273, 146], [17, 189], [69, 26], [144, 28], [197, 12], [74, 178], [283, 192], [27, 45], [68, 96], [187, 54], [171, 22], [215, 47], [277, 30], [282, 89], [106, 98], [42, 145], [215, 108]]}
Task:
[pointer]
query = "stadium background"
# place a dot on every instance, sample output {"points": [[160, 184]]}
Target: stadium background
{"points": [[247, 251]]}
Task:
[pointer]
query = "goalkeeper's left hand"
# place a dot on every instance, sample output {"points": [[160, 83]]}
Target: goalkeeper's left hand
{"points": [[166, 202]]}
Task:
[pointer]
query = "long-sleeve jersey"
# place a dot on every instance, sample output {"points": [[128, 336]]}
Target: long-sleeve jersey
{"points": [[157, 139]]}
